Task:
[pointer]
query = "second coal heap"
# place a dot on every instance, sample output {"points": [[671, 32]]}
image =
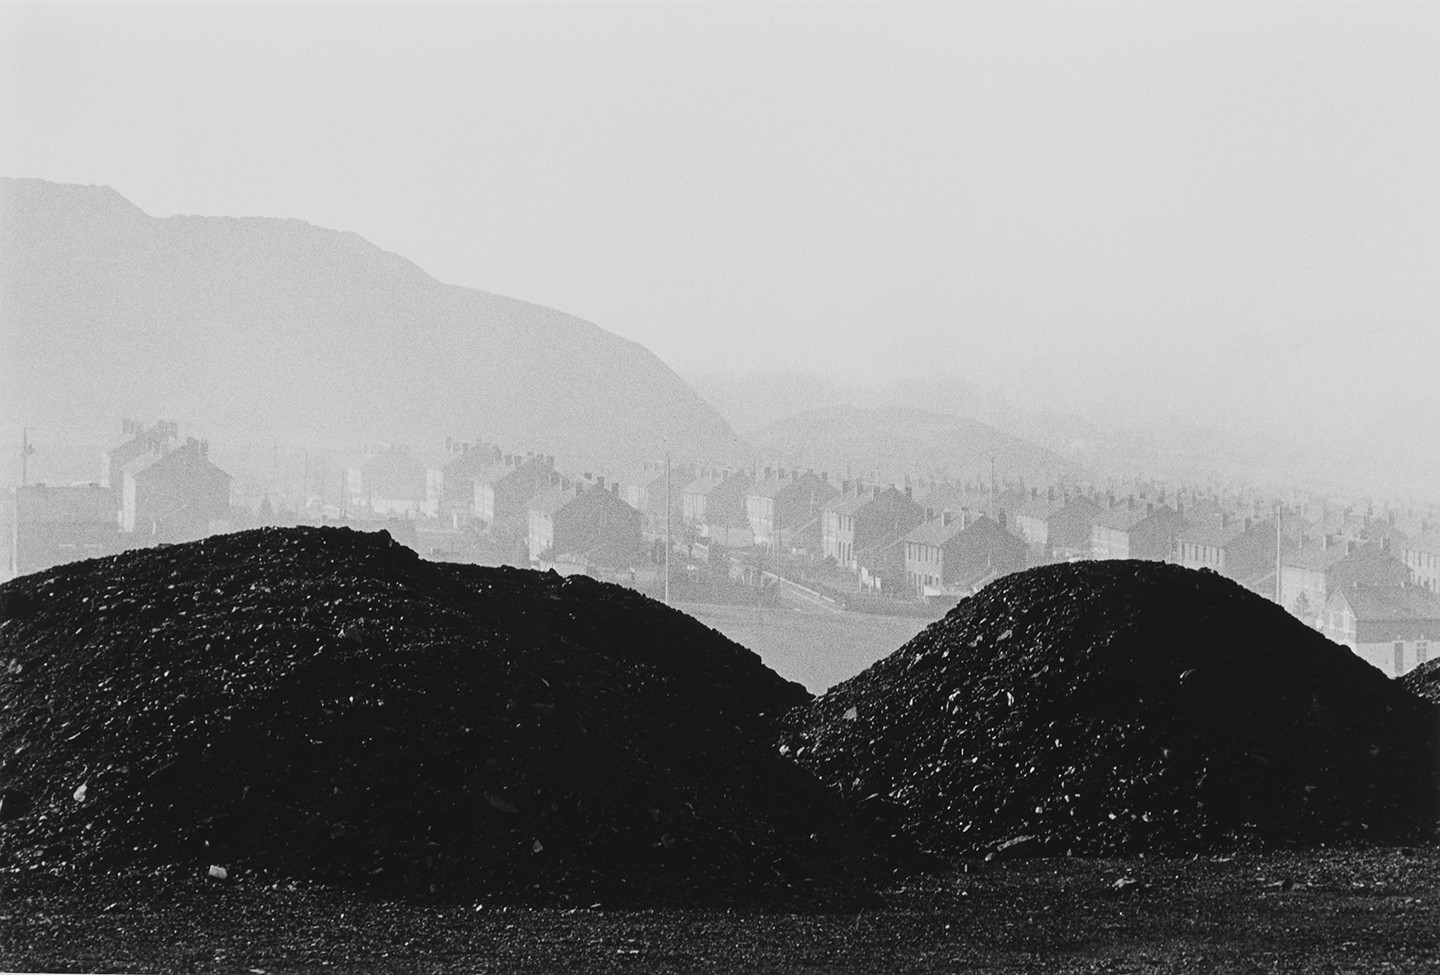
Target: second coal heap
{"points": [[323, 703], [1109, 707]]}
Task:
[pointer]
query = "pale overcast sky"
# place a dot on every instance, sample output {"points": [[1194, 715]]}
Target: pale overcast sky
{"points": [[1059, 192]]}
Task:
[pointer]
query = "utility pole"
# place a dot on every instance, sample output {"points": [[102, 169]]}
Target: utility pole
{"points": [[667, 528], [25, 451], [1279, 520], [992, 487]]}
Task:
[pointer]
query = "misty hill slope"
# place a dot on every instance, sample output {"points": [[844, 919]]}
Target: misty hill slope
{"points": [[276, 327], [896, 440]]}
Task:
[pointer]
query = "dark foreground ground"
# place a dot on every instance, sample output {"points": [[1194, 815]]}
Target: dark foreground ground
{"points": [[1333, 911]]}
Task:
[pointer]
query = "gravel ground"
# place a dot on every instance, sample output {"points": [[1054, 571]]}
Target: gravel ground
{"points": [[1375, 910]]}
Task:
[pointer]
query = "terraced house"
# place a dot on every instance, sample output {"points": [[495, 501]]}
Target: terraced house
{"points": [[714, 503], [783, 506], [178, 496], [859, 520], [1314, 572], [952, 555], [1395, 628], [1422, 557], [503, 490], [585, 523], [1135, 530]]}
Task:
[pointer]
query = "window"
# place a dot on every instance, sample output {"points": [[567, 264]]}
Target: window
{"points": [[1399, 657], [1422, 651]]}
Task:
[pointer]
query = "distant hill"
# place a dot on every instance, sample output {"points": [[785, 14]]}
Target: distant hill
{"points": [[264, 328], [893, 441]]}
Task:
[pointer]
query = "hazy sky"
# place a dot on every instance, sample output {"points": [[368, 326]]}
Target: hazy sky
{"points": [[1045, 191]]}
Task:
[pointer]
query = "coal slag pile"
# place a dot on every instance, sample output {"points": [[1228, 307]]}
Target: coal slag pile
{"points": [[1119, 707], [323, 703]]}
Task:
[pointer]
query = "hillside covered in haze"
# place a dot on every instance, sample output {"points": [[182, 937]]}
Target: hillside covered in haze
{"points": [[263, 328], [889, 442]]}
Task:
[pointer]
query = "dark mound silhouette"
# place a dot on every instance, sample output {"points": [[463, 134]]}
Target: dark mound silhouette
{"points": [[323, 703], [1122, 707]]}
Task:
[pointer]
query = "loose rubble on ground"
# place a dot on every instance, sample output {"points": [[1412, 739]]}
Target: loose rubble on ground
{"points": [[323, 703], [1125, 707]]}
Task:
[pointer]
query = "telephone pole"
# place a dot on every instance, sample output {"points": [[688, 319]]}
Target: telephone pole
{"points": [[667, 528], [25, 451], [1279, 535]]}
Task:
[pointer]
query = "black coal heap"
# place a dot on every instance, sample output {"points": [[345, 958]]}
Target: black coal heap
{"points": [[323, 703], [1121, 707]]}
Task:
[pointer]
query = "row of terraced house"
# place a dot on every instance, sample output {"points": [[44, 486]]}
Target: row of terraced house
{"points": [[1368, 580], [1372, 583]]}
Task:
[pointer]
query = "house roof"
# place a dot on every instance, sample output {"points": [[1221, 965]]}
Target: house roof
{"points": [[1316, 556], [471, 462], [1410, 523], [702, 486], [1211, 531], [161, 434], [137, 464], [1391, 604], [1012, 499], [1377, 531], [525, 469], [768, 487], [1040, 508], [941, 496], [847, 504], [492, 473], [1125, 519], [392, 459], [1079, 503], [1427, 542], [772, 487], [936, 532], [1120, 519], [189, 455], [552, 499]]}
